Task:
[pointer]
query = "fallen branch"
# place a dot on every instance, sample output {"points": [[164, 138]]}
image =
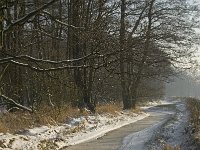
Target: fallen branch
{"points": [[11, 101]]}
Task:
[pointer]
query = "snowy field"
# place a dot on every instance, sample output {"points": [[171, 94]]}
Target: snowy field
{"points": [[75, 131]]}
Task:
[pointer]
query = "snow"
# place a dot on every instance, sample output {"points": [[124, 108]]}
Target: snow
{"points": [[166, 101], [176, 132], [139, 139], [75, 131], [84, 128]]}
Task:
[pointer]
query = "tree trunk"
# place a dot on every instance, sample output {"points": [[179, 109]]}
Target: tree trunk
{"points": [[1, 28], [125, 94], [144, 57], [78, 48]]}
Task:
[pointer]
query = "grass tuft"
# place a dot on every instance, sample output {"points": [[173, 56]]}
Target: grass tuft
{"points": [[169, 147], [111, 108], [193, 106]]}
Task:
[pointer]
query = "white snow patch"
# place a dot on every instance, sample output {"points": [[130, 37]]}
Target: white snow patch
{"points": [[159, 102], [139, 139], [177, 130]]}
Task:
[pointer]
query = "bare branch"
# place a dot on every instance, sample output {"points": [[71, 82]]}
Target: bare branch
{"points": [[29, 15], [32, 59], [38, 69], [60, 22]]}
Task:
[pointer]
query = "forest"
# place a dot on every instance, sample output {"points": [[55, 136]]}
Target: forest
{"points": [[85, 52]]}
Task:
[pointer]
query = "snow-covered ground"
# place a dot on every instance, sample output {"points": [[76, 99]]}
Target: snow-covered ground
{"points": [[85, 128], [165, 101], [138, 140], [175, 132], [75, 131]]}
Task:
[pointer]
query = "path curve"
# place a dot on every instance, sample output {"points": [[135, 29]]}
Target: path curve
{"points": [[113, 140]]}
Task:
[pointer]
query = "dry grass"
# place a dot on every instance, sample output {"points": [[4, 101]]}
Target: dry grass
{"points": [[45, 115], [54, 115], [3, 128], [137, 110], [169, 147], [47, 145], [193, 106], [111, 108], [16, 121]]}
